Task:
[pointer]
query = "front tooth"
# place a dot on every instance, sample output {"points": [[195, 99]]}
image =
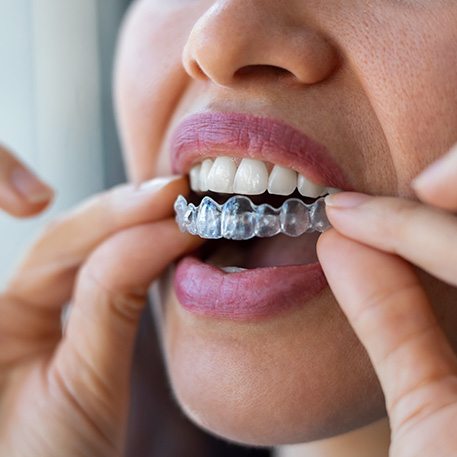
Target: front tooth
{"points": [[233, 269], [308, 189], [332, 190], [282, 181], [251, 177], [195, 178], [220, 178], [204, 172]]}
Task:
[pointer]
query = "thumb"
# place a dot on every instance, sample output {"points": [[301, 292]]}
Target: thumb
{"points": [[390, 313], [93, 362]]}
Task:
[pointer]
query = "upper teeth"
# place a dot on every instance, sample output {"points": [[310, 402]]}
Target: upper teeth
{"points": [[251, 177]]}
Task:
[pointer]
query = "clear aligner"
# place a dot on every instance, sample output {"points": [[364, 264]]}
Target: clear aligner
{"points": [[240, 219]]}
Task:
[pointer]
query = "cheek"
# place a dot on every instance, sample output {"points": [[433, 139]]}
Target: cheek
{"points": [[406, 67], [149, 81], [299, 378]]}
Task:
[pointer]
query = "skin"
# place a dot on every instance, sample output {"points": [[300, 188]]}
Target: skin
{"points": [[373, 344], [333, 89]]}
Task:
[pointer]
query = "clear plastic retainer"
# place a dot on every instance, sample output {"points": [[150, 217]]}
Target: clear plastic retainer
{"points": [[240, 219]]}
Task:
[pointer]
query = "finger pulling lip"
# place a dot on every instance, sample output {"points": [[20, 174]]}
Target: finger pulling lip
{"points": [[253, 294], [210, 134]]}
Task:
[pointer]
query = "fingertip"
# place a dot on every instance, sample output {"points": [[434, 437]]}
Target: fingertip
{"points": [[18, 207], [134, 203], [22, 193], [28, 210], [181, 240], [346, 261], [327, 237], [329, 243], [442, 195], [436, 184], [29, 187], [162, 182]]}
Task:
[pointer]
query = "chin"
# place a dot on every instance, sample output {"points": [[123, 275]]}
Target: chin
{"points": [[298, 377]]}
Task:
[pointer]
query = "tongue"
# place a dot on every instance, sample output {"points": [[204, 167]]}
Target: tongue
{"points": [[267, 252], [283, 250]]}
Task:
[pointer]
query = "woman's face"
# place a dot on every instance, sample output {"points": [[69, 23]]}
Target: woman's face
{"points": [[372, 82]]}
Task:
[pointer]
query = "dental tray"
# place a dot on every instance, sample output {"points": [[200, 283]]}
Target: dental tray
{"points": [[240, 219]]}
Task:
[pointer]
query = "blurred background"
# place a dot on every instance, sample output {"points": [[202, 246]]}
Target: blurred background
{"points": [[56, 113], [55, 102]]}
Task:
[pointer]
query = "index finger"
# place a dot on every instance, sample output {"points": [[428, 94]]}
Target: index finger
{"points": [[44, 279], [390, 313]]}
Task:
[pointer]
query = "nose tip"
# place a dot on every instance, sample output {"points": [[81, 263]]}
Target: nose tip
{"points": [[244, 37]]}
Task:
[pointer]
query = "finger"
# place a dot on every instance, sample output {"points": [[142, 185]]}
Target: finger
{"points": [[423, 235], [388, 309], [21, 192], [94, 360], [437, 184], [45, 276], [45, 279]]}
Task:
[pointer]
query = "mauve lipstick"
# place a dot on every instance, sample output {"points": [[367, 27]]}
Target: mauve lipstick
{"points": [[210, 134], [261, 292], [250, 295]]}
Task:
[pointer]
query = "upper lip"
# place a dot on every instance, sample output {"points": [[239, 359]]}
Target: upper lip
{"points": [[212, 134]]}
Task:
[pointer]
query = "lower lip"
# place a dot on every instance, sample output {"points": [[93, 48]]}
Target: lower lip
{"points": [[252, 294]]}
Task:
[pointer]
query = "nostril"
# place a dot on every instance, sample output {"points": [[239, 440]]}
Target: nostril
{"points": [[262, 71]]}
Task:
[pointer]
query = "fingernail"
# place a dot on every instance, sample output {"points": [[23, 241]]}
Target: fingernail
{"points": [[437, 171], [29, 186], [345, 200], [156, 184]]}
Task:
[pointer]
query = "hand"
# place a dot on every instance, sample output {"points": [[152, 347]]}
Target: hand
{"points": [[69, 396], [369, 262], [21, 192]]}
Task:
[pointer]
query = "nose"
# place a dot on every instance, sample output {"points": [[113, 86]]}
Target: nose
{"points": [[238, 37]]}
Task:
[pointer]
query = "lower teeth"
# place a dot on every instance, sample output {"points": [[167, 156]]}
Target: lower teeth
{"points": [[240, 219], [233, 269]]}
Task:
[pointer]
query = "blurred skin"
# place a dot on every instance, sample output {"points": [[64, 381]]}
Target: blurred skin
{"points": [[375, 85], [22, 193]]}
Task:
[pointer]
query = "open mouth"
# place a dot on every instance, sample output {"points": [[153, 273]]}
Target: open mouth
{"points": [[242, 202], [258, 189]]}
